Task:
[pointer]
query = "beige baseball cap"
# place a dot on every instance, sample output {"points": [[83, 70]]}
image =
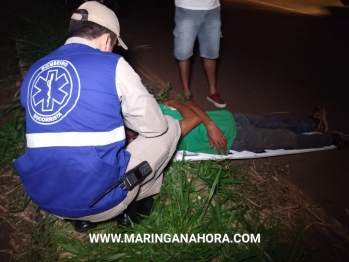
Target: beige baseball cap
{"points": [[101, 15]]}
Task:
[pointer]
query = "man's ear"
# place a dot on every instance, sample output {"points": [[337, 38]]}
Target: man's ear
{"points": [[105, 41]]}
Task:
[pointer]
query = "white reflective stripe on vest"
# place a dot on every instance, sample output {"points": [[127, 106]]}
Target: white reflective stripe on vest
{"points": [[37, 140]]}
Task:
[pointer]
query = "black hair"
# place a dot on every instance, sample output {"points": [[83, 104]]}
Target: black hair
{"points": [[87, 29]]}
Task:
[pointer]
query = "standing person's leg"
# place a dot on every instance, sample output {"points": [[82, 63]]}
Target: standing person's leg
{"points": [[254, 139], [187, 26], [209, 40], [184, 73], [211, 74]]}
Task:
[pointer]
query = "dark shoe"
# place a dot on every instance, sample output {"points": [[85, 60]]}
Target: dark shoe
{"points": [[320, 118], [82, 226], [135, 211], [340, 140], [216, 100], [123, 219]]}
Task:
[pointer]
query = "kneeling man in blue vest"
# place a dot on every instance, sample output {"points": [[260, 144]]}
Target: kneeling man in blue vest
{"points": [[78, 101]]}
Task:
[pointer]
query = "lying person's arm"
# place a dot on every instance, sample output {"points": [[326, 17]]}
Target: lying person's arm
{"points": [[190, 118], [215, 135], [189, 122], [130, 135]]}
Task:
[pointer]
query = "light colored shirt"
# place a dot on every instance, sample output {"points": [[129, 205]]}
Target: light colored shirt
{"points": [[140, 111], [198, 4]]}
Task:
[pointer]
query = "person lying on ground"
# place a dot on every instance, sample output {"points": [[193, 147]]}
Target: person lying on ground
{"points": [[221, 131]]}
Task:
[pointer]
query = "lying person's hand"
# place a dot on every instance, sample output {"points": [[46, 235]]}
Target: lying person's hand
{"points": [[130, 135], [217, 138]]}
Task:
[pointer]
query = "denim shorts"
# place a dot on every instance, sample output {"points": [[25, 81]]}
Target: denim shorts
{"points": [[204, 24]]}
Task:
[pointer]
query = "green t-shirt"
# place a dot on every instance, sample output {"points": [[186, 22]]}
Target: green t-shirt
{"points": [[197, 140]]}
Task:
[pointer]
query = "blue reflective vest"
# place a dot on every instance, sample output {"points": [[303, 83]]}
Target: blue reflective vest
{"points": [[75, 133]]}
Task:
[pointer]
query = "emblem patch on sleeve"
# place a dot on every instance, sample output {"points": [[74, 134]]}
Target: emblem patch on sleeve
{"points": [[54, 90]]}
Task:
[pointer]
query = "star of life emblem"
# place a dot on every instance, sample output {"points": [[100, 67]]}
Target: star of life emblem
{"points": [[54, 90]]}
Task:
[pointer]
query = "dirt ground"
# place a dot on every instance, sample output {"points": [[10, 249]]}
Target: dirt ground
{"points": [[322, 177], [271, 61]]}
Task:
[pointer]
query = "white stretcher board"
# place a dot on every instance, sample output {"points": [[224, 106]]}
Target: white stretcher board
{"points": [[190, 156]]}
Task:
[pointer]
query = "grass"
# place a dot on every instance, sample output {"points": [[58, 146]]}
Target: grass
{"points": [[39, 32], [12, 135], [36, 34], [9, 58], [160, 93], [196, 198]]}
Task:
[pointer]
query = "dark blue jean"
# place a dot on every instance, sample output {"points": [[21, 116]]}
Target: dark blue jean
{"points": [[257, 133]]}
